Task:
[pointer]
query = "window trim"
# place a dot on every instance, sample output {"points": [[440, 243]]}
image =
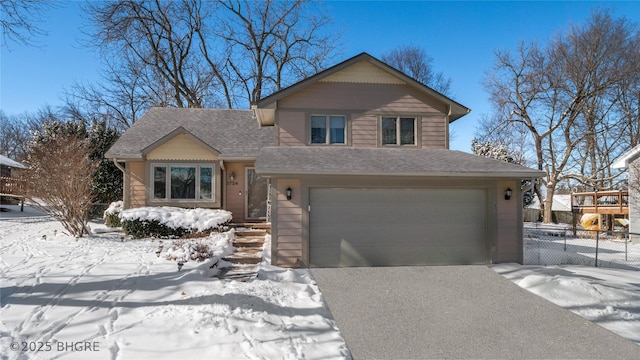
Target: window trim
{"points": [[398, 143], [215, 191], [327, 140]]}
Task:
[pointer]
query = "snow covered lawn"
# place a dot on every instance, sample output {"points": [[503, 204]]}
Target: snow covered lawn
{"points": [[104, 298], [608, 297]]}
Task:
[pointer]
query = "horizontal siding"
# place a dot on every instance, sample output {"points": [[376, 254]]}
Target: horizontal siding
{"points": [[234, 201], [508, 245], [181, 147], [364, 130], [291, 128], [371, 97], [137, 184], [363, 72], [434, 132], [288, 231]]}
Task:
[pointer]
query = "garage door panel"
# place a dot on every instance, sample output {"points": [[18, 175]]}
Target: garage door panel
{"points": [[377, 227]]}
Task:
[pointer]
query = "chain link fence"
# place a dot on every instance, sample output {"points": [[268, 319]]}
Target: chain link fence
{"points": [[548, 244]]}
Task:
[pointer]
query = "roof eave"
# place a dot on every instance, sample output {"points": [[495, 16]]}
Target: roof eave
{"points": [[434, 174]]}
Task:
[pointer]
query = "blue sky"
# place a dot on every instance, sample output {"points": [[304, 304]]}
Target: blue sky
{"points": [[460, 36]]}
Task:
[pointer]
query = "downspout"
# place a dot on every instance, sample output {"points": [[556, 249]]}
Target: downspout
{"points": [[125, 185], [447, 123]]}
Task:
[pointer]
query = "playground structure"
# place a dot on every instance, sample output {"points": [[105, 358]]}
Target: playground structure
{"points": [[601, 210]]}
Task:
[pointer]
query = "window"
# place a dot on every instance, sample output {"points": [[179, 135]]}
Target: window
{"points": [[328, 129], [398, 131], [183, 182]]}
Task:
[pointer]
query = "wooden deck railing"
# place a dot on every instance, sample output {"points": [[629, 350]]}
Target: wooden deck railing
{"points": [[601, 202], [10, 186]]}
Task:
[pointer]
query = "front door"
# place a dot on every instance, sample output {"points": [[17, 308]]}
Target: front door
{"points": [[256, 195]]}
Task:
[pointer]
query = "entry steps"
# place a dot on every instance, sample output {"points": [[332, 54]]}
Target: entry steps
{"points": [[249, 242]]}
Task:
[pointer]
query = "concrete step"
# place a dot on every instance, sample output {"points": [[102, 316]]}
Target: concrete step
{"points": [[249, 242], [245, 256], [251, 232]]}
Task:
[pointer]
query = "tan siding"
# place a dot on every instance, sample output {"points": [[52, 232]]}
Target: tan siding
{"points": [[364, 130], [370, 97], [507, 223], [137, 184], [235, 191], [288, 231], [181, 147], [363, 72], [434, 132], [292, 128]]}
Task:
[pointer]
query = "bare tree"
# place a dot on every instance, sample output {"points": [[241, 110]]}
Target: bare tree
{"points": [[19, 20], [194, 53], [59, 179], [415, 62], [564, 95]]}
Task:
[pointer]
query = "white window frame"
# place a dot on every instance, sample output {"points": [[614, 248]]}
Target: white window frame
{"points": [[197, 194], [398, 130], [327, 122]]}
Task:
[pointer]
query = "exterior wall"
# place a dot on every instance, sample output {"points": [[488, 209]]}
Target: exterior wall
{"points": [[287, 235], [234, 192], [137, 192], [363, 72], [181, 147], [363, 104], [509, 224], [634, 201], [364, 130], [291, 219]]}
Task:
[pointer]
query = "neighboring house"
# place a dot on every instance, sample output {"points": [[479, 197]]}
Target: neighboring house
{"points": [[561, 211], [10, 172], [358, 161], [631, 161]]}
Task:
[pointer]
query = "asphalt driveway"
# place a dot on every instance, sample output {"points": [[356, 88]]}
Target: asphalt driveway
{"points": [[428, 312]]}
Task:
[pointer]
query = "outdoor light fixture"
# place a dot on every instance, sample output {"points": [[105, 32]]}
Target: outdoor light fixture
{"points": [[232, 176], [507, 194], [288, 192], [180, 265]]}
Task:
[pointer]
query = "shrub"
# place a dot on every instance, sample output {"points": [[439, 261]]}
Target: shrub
{"points": [[112, 214], [171, 222]]}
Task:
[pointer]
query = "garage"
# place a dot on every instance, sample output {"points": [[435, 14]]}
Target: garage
{"points": [[394, 226]]}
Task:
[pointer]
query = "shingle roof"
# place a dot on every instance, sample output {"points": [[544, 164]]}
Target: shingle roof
{"points": [[311, 160], [233, 133]]}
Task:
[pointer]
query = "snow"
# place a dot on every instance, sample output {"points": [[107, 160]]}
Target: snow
{"points": [[607, 297], [114, 208], [109, 297], [5, 161], [173, 217]]}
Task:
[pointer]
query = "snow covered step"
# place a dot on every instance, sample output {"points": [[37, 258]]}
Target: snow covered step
{"points": [[245, 256], [249, 241], [247, 232]]}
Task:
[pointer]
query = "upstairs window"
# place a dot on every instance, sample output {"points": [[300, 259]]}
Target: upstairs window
{"points": [[328, 129], [398, 131]]}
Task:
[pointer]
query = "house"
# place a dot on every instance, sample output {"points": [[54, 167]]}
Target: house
{"points": [[358, 164], [10, 183], [631, 161], [561, 210]]}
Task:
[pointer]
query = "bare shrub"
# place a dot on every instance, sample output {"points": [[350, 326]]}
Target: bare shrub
{"points": [[59, 180]]}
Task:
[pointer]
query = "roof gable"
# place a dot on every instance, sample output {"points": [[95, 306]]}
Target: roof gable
{"points": [[354, 69], [226, 133], [180, 144]]}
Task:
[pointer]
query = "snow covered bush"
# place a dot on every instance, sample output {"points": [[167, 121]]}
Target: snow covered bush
{"points": [[200, 249], [171, 222], [112, 214]]}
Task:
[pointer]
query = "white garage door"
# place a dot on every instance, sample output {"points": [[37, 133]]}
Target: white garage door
{"points": [[388, 227]]}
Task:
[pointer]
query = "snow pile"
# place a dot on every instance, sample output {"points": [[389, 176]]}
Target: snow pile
{"points": [[216, 245], [127, 303], [608, 297], [114, 208], [172, 217]]}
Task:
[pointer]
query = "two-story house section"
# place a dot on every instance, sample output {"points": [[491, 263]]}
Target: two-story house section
{"points": [[363, 175], [358, 164]]}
